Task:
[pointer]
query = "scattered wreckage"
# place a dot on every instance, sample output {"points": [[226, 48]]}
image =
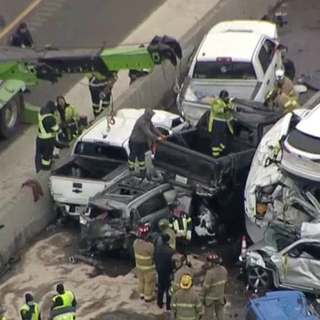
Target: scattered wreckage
{"points": [[99, 158], [222, 63], [287, 257]]}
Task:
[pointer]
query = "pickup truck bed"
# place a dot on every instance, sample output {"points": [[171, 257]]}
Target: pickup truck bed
{"points": [[187, 157], [81, 178]]}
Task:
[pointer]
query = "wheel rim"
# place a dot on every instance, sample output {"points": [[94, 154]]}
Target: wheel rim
{"points": [[11, 114], [258, 278]]}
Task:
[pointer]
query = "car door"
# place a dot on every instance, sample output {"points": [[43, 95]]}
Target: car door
{"points": [[269, 60], [301, 265], [153, 209]]}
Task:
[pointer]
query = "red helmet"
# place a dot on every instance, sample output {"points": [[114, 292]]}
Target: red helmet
{"points": [[213, 257], [142, 230]]}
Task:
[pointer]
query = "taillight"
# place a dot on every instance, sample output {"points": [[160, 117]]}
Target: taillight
{"points": [[223, 59]]}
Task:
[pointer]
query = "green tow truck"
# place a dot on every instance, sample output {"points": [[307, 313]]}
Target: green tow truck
{"points": [[21, 68]]}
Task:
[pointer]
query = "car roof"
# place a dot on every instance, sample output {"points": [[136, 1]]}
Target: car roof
{"points": [[240, 46], [135, 186], [120, 132], [310, 123], [281, 305]]}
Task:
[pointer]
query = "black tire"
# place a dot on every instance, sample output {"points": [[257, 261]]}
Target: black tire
{"points": [[264, 276], [289, 68], [11, 117]]}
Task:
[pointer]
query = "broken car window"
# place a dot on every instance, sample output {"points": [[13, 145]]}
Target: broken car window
{"points": [[152, 205], [306, 250]]}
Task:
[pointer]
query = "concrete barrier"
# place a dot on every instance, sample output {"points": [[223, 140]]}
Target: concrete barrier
{"points": [[23, 218]]}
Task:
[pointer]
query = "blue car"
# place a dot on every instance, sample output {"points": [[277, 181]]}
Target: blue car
{"points": [[280, 305]]}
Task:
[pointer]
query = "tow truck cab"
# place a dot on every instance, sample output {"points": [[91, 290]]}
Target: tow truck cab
{"points": [[280, 305]]}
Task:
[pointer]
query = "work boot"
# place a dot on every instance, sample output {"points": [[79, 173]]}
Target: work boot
{"points": [[143, 174]]}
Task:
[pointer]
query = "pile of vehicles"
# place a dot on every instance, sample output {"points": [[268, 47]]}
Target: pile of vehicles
{"points": [[280, 185]]}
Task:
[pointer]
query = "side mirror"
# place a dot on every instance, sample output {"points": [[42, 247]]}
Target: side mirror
{"points": [[282, 48]]}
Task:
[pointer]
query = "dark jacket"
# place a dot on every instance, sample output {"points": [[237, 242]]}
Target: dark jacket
{"points": [[163, 258], [144, 131], [49, 122], [19, 39]]}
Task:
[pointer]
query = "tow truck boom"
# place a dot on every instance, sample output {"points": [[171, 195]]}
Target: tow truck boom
{"points": [[50, 64]]}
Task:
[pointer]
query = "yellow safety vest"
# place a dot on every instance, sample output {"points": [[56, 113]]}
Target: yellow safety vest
{"points": [[176, 226], [66, 297], [69, 315], [3, 318], [35, 315], [42, 133], [218, 112]]}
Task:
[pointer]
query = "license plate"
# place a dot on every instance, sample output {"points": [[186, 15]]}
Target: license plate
{"points": [[80, 209], [181, 179]]}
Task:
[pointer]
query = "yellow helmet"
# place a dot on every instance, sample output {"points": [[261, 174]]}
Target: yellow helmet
{"points": [[186, 282]]}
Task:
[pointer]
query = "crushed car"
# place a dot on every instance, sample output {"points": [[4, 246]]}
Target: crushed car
{"points": [[278, 187], [282, 305], [99, 158], [222, 63], [185, 158], [113, 215], [288, 258]]}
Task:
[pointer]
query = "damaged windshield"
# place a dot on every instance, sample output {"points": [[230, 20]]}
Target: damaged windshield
{"points": [[279, 237], [224, 70]]}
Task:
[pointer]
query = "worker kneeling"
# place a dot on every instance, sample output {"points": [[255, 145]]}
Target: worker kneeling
{"points": [[61, 312], [186, 303], [220, 123], [68, 119], [144, 255]]}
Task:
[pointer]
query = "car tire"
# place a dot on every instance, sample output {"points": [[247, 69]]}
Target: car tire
{"points": [[11, 117], [289, 68], [259, 278]]}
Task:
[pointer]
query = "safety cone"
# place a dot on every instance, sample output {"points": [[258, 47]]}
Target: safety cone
{"points": [[243, 248]]}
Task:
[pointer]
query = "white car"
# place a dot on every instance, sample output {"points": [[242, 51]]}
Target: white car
{"points": [[301, 153], [99, 158], [269, 194], [238, 56]]}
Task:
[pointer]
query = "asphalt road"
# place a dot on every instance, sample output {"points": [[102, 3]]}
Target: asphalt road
{"points": [[78, 23]]}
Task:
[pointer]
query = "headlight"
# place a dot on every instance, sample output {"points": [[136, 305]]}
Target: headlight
{"points": [[254, 259], [83, 221]]}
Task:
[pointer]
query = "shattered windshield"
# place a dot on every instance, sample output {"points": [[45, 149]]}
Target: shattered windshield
{"points": [[279, 237]]}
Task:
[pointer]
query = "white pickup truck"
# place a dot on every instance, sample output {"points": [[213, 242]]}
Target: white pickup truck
{"points": [[238, 56], [99, 158]]}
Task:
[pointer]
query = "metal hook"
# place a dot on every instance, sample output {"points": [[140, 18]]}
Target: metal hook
{"points": [[112, 119]]}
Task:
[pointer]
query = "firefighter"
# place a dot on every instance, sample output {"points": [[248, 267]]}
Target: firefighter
{"points": [[62, 312], [48, 130], [164, 227], [181, 223], [30, 310], [186, 303], [2, 314], [101, 92], [143, 133], [213, 288], [163, 261], [67, 296], [220, 123], [286, 103], [21, 38], [143, 253], [180, 268], [68, 118], [284, 84]]}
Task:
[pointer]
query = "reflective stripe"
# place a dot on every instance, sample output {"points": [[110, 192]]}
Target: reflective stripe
{"points": [[142, 164], [215, 284], [186, 305], [45, 162], [42, 133], [145, 258], [131, 164], [144, 268]]}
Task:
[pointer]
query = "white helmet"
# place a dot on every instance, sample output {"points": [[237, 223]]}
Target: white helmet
{"points": [[279, 75]]}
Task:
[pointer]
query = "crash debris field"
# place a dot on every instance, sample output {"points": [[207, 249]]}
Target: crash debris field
{"points": [[46, 263]]}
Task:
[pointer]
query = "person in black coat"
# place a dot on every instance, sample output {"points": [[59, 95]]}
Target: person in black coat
{"points": [[163, 261], [22, 37]]}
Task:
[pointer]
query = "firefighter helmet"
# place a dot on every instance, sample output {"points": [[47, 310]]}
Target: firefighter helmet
{"points": [[143, 230], [213, 257], [279, 75], [186, 282]]}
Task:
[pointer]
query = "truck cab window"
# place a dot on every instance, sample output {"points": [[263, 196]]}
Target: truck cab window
{"points": [[153, 204], [266, 54]]}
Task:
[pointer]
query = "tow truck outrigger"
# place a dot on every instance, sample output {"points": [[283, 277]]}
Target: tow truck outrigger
{"points": [[26, 67]]}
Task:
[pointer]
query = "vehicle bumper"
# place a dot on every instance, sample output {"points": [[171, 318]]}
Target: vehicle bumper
{"points": [[70, 211]]}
